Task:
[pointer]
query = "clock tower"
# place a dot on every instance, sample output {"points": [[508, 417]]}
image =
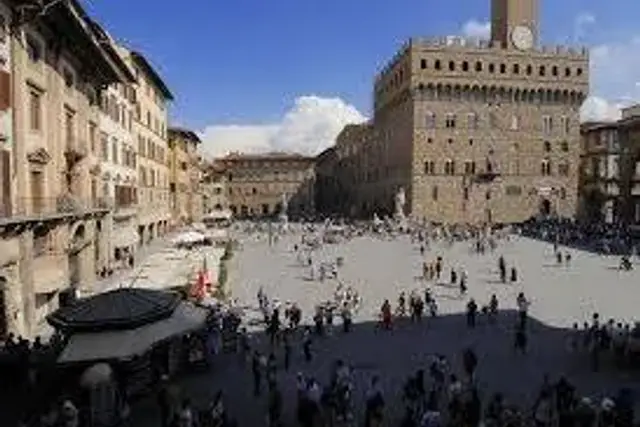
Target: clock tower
{"points": [[514, 23]]}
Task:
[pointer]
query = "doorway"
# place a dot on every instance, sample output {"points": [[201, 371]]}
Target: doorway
{"points": [[545, 207]]}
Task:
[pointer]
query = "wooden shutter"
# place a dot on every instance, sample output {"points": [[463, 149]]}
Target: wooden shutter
{"points": [[5, 179], [5, 90]]}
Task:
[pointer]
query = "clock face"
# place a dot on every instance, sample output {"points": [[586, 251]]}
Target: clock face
{"points": [[522, 37]]}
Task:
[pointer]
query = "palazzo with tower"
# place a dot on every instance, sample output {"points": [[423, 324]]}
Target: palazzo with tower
{"points": [[472, 130]]}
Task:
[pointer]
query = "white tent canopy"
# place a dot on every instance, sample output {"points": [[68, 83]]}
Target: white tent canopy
{"points": [[188, 237], [218, 214]]}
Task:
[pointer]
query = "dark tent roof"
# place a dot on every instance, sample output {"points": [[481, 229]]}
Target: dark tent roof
{"points": [[118, 309]]}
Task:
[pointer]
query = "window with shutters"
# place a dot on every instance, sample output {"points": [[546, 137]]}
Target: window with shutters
{"points": [[5, 90], [35, 110], [5, 176]]}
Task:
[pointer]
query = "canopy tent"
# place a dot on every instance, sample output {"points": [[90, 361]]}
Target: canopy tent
{"points": [[189, 237], [125, 344], [124, 308], [218, 214]]}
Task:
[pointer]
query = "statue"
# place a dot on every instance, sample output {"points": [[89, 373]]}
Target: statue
{"points": [[401, 200]]}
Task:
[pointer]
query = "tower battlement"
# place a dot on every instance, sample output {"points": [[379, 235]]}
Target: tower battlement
{"points": [[473, 45]]}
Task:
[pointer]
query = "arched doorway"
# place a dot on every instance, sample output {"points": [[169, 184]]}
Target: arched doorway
{"points": [[141, 235], [545, 207], [152, 230]]}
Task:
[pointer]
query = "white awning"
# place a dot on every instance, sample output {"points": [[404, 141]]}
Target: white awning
{"points": [[125, 237]]}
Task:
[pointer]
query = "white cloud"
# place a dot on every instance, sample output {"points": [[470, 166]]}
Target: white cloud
{"points": [[477, 29], [614, 67], [581, 25], [310, 126]]}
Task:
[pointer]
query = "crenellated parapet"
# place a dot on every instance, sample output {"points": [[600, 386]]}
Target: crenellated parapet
{"points": [[473, 45]]}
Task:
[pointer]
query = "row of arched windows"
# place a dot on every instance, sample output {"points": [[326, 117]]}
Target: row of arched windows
{"points": [[513, 69], [496, 94]]}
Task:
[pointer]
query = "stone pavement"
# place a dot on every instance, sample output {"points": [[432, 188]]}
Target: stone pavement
{"points": [[379, 269]]}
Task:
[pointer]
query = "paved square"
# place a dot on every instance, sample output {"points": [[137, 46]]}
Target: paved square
{"points": [[379, 269]]}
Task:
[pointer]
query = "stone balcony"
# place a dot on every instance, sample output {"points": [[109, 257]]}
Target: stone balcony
{"points": [[27, 209]]}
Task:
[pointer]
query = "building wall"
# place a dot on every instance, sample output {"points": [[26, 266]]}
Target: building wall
{"points": [[185, 176], [51, 237], [7, 177], [610, 172], [150, 130], [116, 148], [257, 185], [474, 131]]}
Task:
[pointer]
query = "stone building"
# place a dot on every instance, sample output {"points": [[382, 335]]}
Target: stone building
{"points": [[214, 187], [51, 226], [185, 176], [150, 129], [610, 170], [257, 185], [115, 148], [327, 196], [477, 131]]}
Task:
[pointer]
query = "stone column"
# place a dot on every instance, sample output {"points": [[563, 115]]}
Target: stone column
{"points": [[27, 292]]}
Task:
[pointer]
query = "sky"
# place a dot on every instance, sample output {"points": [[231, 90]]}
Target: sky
{"points": [[287, 75]]}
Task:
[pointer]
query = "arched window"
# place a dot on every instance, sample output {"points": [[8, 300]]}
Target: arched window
{"points": [[478, 66]]}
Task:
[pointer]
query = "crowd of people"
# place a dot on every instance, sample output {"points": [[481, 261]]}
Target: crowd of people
{"points": [[607, 239], [445, 391], [439, 394]]}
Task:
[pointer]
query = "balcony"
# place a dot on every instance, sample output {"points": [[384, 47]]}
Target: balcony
{"points": [[37, 209]]}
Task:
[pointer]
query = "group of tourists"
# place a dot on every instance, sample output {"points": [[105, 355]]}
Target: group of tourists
{"points": [[438, 394]]}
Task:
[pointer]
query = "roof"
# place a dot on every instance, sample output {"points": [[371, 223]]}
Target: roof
{"points": [[123, 308], [597, 125], [184, 133], [151, 72], [272, 156], [71, 19], [107, 43]]}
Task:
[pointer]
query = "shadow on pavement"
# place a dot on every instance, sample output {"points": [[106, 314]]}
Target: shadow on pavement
{"points": [[394, 355]]}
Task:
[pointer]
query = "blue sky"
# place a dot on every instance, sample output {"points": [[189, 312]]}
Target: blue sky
{"points": [[246, 61]]}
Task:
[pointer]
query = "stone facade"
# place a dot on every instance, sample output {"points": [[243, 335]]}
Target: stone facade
{"points": [[256, 184], [610, 170], [52, 235], [113, 145], [476, 131], [185, 176], [150, 129], [214, 188]]}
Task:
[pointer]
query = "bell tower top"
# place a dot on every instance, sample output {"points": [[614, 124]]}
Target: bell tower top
{"points": [[514, 23]]}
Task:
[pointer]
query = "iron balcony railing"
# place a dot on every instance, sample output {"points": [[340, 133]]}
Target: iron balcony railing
{"points": [[45, 207]]}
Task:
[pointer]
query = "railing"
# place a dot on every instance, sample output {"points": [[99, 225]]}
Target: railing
{"points": [[44, 207]]}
